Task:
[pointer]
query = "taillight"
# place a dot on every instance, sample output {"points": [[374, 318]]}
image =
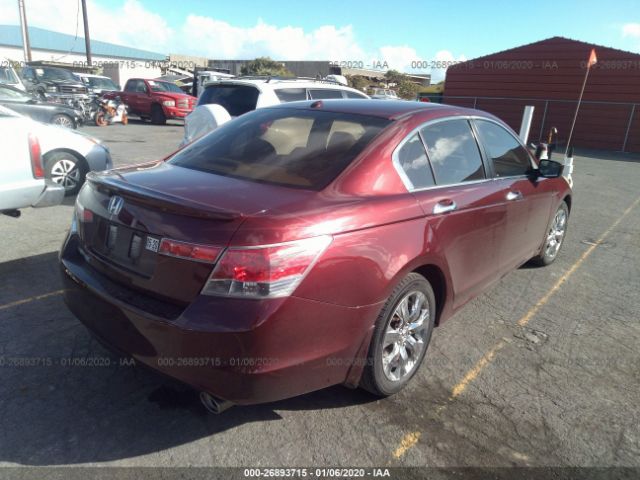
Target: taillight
{"points": [[35, 154], [189, 251], [265, 272], [83, 214]]}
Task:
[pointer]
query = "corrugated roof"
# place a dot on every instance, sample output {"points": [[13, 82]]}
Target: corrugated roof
{"points": [[557, 39], [42, 39]]}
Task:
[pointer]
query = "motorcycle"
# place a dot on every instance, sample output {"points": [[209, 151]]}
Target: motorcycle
{"points": [[109, 111]]}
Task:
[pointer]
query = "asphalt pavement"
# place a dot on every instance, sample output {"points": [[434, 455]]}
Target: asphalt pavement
{"points": [[542, 370]]}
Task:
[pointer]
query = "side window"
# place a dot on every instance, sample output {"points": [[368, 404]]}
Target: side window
{"points": [[350, 94], [130, 86], [413, 160], [509, 157], [291, 94], [453, 152], [27, 74], [141, 87], [322, 93]]}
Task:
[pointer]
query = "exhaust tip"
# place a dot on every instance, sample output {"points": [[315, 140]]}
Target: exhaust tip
{"points": [[214, 404]]}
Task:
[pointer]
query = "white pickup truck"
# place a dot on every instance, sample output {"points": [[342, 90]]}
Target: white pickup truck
{"points": [[22, 176]]}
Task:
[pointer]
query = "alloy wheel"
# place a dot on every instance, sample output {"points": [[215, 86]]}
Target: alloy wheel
{"points": [[556, 234], [63, 121], [405, 335], [66, 173]]}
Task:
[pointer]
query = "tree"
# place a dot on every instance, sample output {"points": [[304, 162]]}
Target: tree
{"points": [[394, 76], [403, 84], [408, 90], [265, 66], [358, 82]]}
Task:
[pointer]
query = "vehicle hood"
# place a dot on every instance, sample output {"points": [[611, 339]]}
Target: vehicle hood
{"points": [[56, 105], [70, 83]]}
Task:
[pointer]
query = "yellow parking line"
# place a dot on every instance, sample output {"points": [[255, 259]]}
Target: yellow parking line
{"points": [[408, 441], [526, 318], [30, 299], [531, 313], [412, 438], [475, 371]]}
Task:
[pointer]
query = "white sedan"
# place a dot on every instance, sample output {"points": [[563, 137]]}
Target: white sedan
{"points": [[67, 155], [22, 176]]}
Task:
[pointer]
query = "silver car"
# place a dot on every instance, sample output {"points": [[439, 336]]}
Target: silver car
{"points": [[67, 155]]}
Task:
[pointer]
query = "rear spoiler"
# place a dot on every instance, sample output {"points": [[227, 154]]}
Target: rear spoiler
{"points": [[159, 201]]}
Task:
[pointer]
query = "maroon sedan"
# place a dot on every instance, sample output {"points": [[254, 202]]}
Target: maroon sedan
{"points": [[308, 244]]}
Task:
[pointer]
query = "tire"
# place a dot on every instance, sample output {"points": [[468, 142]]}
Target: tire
{"points": [[157, 115], [556, 231], [386, 373], [67, 170], [101, 120], [63, 120]]}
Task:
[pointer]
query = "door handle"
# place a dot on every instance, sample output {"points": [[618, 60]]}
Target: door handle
{"points": [[444, 206], [514, 196]]}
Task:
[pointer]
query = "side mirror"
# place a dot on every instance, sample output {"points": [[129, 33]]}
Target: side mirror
{"points": [[550, 169]]}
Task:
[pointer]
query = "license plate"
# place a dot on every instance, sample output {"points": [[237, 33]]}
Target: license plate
{"points": [[152, 244]]}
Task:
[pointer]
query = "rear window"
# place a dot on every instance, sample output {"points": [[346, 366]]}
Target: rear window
{"points": [[236, 99], [291, 94], [324, 93], [290, 147]]}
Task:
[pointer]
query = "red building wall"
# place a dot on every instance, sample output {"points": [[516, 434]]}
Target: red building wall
{"points": [[549, 74]]}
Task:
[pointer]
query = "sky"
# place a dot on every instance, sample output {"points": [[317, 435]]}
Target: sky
{"points": [[394, 34]]}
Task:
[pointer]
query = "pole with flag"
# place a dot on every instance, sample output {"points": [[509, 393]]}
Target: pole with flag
{"points": [[592, 61]]}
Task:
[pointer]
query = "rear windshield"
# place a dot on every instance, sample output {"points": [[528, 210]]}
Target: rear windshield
{"points": [[290, 147], [236, 99]]}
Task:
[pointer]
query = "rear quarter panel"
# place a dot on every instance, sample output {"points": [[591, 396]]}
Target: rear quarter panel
{"points": [[18, 188]]}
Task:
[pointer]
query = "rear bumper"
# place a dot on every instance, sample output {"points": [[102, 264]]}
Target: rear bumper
{"points": [[53, 194], [243, 351]]}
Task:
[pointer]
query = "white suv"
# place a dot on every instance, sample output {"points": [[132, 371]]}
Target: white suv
{"points": [[244, 94]]}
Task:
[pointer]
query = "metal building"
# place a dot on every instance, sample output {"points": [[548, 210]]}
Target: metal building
{"points": [[548, 75]]}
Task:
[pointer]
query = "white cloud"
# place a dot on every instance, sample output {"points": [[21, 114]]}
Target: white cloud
{"points": [[631, 30], [445, 59], [401, 58], [131, 24], [214, 38]]}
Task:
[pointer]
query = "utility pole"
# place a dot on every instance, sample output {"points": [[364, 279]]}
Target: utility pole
{"points": [[87, 40], [26, 46]]}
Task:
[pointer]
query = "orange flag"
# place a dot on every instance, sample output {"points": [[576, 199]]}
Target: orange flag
{"points": [[592, 58]]}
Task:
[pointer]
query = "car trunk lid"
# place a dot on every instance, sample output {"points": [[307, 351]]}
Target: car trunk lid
{"points": [[133, 209]]}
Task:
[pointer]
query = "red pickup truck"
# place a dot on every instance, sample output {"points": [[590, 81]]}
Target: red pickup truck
{"points": [[155, 99]]}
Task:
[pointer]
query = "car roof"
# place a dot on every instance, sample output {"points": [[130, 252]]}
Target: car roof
{"points": [[266, 82], [90, 75], [390, 109]]}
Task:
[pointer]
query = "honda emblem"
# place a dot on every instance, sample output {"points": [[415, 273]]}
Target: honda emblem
{"points": [[115, 205]]}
